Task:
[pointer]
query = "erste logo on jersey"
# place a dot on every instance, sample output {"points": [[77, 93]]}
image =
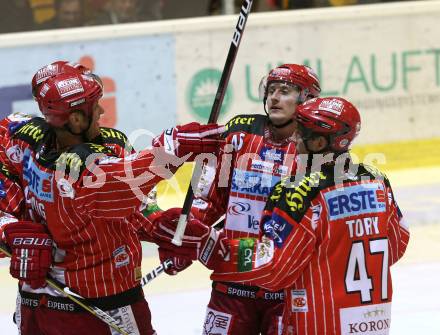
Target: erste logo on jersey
{"points": [[39, 182], [253, 183], [277, 229], [355, 200]]}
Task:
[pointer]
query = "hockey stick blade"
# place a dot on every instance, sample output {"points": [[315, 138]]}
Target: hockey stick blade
{"points": [[215, 110]]}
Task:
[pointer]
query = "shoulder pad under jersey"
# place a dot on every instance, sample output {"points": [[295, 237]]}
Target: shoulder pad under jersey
{"points": [[5, 173], [294, 196], [113, 136], [373, 173], [251, 124], [32, 131], [75, 160]]}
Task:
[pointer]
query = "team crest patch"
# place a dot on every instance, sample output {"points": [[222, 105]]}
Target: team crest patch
{"points": [[299, 301], [216, 323], [121, 257]]}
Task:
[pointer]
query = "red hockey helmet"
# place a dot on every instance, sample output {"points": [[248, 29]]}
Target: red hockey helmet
{"points": [[68, 92], [52, 70], [333, 117], [293, 74]]}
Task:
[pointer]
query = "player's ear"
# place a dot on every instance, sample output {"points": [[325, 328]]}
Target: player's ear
{"points": [[317, 143], [76, 118]]}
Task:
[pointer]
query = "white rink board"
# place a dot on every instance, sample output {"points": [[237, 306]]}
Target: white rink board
{"points": [[385, 58]]}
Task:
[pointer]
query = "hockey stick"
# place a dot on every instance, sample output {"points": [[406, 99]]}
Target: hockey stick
{"points": [[76, 298], [215, 111], [155, 272]]}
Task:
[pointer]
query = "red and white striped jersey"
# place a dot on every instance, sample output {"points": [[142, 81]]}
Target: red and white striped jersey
{"points": [[88, 198], [238, 186], [330, 246]]}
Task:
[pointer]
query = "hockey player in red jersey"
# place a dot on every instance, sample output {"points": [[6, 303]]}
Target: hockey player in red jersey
{"points": [[328, 238], [263, 150], [84, 194]]}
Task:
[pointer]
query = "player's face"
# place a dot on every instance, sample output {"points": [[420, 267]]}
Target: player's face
{"points": [[282, 100]]}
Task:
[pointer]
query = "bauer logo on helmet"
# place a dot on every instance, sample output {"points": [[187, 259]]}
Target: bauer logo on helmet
{"points": [[69, 87]]}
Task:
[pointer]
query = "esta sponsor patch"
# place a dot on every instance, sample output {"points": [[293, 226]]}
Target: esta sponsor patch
{"points": [[39, 182], [277, 229], [355, 200]]}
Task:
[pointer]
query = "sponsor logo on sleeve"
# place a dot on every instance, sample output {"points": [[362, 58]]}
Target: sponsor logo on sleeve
{"points": [[277, 229], [39, 182], [355, 200], [65, 188], [15, 154], [316, 215]]}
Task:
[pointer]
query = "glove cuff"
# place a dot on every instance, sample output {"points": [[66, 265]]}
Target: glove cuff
{"points": [[209, 247]]}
